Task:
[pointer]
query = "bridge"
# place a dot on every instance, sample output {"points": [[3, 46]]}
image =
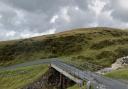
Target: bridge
{"points": [[79, 76], [75, 74]]}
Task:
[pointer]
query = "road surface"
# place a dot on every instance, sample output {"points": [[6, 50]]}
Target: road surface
{"points": [[98, 81]]}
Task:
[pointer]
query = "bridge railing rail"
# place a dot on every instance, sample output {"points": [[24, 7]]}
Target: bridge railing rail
{"points": [[84, 75], [88, 75]]}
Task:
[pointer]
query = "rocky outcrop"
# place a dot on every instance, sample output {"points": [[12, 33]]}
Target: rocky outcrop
{"points": [[120, 63]]}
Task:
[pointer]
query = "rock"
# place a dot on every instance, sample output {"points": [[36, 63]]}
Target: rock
{"points": [[120, 63]]}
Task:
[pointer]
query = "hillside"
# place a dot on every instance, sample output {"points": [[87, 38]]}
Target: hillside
{"points": [[100, 46]]}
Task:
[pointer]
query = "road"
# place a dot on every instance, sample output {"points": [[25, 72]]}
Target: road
{"points": [[36, 62], [98, 81]]}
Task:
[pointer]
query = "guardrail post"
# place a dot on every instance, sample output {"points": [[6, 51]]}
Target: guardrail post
{"points": [[60, 81], [88, 85], [63, 84], [80, 85]]}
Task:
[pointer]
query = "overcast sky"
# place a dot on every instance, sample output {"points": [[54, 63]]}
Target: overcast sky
{"points": [[27, 18]]}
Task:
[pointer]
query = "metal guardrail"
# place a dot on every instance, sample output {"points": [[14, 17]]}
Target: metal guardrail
{"points": [[84, 75], [101, 81], [73, 71], [82, 65]]}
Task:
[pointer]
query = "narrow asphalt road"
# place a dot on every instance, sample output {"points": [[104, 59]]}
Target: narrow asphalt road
{"points": [[97, 80], [36, 62]]}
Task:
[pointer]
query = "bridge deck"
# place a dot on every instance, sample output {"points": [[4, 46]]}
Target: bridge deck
{"points": [[77, 75], [75, 79]]}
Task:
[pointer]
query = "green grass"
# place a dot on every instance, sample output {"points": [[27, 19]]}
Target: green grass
{"points": [[16, 79], [99, 46], [91, 45], [119, 74], [74, 87]]}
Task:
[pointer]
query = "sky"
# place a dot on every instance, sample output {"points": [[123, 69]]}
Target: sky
{"points": [[28, 18]]}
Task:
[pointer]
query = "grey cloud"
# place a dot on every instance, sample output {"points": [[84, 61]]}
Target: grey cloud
{"points": [[20, 22], [25, 18], [121, 15], [7, 15], [118, 12], [78, 18], [47, 6], [37, 14]]}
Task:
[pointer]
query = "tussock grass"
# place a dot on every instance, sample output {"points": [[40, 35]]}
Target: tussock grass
{"points": [[100, 46], [119, 74], [16, 79]]}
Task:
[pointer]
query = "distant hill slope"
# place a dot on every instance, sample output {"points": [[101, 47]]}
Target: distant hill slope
{"points": [[100, 46]]}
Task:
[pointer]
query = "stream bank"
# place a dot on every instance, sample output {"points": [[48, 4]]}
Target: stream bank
{"points": [[52, 79]]}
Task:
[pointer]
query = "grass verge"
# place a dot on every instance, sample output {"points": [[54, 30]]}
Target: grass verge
{"points": [[118, 74], [16, 79]]}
